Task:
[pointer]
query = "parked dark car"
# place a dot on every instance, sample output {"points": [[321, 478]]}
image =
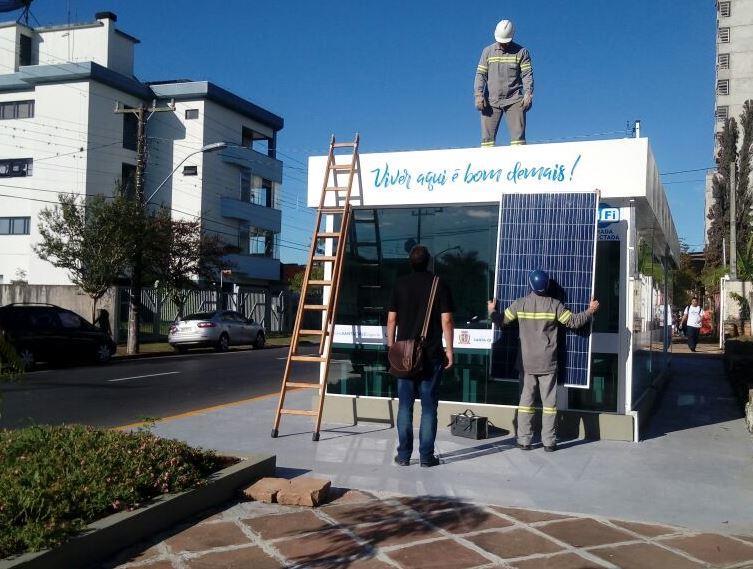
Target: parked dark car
{"points": [[48, 333]]}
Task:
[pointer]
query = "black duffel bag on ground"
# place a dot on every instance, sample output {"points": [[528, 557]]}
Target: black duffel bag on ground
{"points": [[469, 425]]}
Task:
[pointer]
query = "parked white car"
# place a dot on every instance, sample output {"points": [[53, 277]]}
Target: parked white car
{"points": [[219, 329]]}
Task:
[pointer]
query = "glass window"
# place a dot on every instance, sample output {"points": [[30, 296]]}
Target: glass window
{"points": [[607, 287], [16, 167], [190, 170], [192, 114], [24, 50], [130, 131], [128, 179], [723, 61], [69, 320], [14, 225], [25, 109], [5, 225], [602, 395]]}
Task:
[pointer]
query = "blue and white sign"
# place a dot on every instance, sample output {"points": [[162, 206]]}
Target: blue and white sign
{"points": [[608, 215]]}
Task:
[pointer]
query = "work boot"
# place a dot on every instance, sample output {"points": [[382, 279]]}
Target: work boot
{"points": [[524, 447], [550, 448], [402, 461]]}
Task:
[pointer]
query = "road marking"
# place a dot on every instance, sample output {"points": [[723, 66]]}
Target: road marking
{"points": [[202, 411], [143, 376]]}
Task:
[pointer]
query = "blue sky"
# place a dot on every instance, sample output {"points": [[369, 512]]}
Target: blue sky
{"points": [[401, 73]]}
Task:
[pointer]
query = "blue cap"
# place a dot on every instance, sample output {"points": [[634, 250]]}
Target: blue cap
{"points": [[539, 281]]}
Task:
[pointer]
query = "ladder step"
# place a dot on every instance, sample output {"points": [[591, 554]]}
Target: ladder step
{"points": [[311, 332], [342, 166], [324, 258], [315, 307], [320, 283], [323, 234], [297, 412], [308, 359], [302, 385], [332, 209], [343, 145], [336, 189]]}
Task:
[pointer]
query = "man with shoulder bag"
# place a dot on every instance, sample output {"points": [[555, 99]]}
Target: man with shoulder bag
{"points": [[420, 313]]}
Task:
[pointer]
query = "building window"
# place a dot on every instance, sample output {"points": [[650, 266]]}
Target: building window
{"points": [[192, 114], [130, 131], [723, 61], [17, 110], [128, 179], [725, 9], [722, 113], [16, 168], [724, 35], [262, 243], [14, 225], [722, 87], [190, 170], [24, 50]]}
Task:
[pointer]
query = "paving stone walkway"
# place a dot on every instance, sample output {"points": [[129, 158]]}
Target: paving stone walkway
{"points": [[363, 531]]}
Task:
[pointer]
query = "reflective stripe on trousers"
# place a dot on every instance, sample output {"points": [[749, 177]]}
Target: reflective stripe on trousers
{"points": [[515, 117], [547, 385]]}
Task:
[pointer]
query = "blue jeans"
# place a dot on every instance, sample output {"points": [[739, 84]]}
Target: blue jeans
{"points": [[425, 388]]}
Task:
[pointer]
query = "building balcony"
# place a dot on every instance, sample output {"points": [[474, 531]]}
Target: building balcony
{"points": [[259, 164], [255, 267], [254, 215]]}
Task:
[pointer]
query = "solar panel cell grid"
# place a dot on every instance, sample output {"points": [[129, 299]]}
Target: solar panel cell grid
{"points": [[556, 233]]}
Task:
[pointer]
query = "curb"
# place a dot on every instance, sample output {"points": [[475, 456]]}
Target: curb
{"points": [[108, 536]]}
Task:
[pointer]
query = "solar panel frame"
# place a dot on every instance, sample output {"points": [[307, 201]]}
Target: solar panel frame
{"points": [[572, 342]]}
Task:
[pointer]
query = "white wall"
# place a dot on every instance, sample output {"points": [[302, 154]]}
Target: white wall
{"points": [[77, 44], [8, 54]]}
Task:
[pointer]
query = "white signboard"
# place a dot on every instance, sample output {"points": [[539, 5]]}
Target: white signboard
{"points": [[471, 339], [480, 175]]}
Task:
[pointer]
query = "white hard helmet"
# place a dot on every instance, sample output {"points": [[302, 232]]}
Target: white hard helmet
{"points": [[504, 31]]}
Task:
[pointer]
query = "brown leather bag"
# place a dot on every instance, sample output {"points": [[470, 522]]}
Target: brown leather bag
{"points": [[407, 357]]}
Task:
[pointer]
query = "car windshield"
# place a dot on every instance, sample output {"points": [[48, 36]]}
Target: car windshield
{"points": [[199, 316]]}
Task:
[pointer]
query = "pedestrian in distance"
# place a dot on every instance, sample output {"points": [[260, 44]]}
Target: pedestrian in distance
{"points": [[538, 316], [503, 86], [407, 310], [103, 322], [692, 318]]}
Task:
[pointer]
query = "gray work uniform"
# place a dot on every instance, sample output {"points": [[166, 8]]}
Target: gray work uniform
{"points": [[538, 319], [503, 74]]}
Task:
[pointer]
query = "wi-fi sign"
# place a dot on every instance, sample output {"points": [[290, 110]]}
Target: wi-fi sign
{"points": [[608, 215]]}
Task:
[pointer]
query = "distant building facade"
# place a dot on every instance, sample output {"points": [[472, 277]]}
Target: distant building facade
{"points": [[59, 86], [734, 72]]}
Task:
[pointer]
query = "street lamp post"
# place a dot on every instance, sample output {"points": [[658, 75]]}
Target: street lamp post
{"points": [[213, 147]]}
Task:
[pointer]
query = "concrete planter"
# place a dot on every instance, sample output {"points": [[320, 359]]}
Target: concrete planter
{"points": [[108, 536]]}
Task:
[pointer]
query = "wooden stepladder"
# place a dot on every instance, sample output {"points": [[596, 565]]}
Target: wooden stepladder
{"points": [[327, 251]]}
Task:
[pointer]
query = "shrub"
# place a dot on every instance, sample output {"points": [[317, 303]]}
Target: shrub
{"points": [[55, 480]]}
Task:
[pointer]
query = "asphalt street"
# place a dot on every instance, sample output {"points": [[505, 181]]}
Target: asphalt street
{"points": [[125, 392]]}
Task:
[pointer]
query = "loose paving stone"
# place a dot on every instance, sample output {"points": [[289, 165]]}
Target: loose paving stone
{"points": [[514, 543], [585, 532], [442, 554], [304, 491], [320, 547], [353, 514], [559, 561], [266, 489], [641, 555], [207, 536], [646, 530], [395, 532], [466, 520], [712, 548], [243, 558], [345, 496], [286, 525], [528, 516]]}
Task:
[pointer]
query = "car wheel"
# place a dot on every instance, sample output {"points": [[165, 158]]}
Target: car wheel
{"points": [[102, 354], [26, 355], [260, 341], [223, 343]]}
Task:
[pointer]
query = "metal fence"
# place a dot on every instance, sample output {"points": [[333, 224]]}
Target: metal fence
{"points": [[158, 311]]}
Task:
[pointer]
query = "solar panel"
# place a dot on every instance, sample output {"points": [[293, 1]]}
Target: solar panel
{"points": [[555, 232]]}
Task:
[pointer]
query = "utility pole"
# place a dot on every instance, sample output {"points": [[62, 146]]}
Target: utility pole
{"points": [[732, 223], [142, 113]]}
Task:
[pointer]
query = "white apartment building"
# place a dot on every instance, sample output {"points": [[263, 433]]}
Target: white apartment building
{"points": [[734, 71], [59, 86]]}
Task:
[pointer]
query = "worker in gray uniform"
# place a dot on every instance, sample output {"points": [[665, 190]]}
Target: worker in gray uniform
{"points": [[504, 85], [538, 317]]}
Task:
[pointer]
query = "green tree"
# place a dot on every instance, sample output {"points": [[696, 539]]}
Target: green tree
{"points": [[181, 254], [686, 280], [89, 239], [744, 191], [718, 213], [295, 283]]}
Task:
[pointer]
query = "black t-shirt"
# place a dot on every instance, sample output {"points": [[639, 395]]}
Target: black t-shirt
{"points": [[409, 299]]}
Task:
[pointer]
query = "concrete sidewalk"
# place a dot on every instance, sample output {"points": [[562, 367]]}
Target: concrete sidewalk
{"points": [[695, 470]]}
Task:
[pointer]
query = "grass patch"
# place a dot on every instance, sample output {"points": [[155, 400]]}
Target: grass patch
{"points": [[55, 480]]}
